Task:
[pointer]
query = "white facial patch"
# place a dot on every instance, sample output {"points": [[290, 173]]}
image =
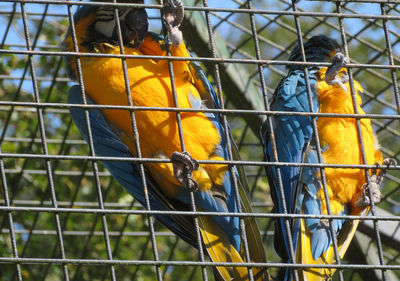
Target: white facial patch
{"points": [[105, 22]]}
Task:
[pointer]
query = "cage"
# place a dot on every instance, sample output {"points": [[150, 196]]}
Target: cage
{"points": [[63, 216]]}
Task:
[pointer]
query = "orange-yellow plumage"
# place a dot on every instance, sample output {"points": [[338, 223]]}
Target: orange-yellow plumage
{"points": [[150, 85], [340, 137]]}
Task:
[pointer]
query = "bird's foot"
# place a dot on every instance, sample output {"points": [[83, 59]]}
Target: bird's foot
{"points": [[184, 165], [172, 18], [338, 61], [373, 187]]}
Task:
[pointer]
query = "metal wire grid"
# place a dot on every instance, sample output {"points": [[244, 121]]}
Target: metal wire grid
{"points": [[64, 217]]}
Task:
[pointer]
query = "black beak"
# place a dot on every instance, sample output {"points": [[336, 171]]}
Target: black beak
{"points": [[338, 61], [134, 27]]}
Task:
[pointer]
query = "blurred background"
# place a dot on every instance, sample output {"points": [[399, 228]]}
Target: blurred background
{"points": [[32, 187]]}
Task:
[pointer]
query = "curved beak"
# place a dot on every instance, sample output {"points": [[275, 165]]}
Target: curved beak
{"points": [[133, 27]]}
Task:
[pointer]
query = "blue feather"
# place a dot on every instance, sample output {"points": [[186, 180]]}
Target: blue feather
{"points": [[292, 136], [230, 224]]}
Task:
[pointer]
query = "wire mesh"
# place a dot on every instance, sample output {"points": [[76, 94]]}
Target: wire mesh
{"points": [[62, 215]]}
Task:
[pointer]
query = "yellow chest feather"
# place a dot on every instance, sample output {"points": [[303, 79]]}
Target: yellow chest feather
{"points": [[150, 86], [340, 143]]}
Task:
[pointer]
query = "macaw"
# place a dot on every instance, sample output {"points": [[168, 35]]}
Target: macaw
{"points": [[295, 139], [169, 183]]}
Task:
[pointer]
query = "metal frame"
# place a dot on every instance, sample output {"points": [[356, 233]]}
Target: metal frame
{"points": [[39, 158]]}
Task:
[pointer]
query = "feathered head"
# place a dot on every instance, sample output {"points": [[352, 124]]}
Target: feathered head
{"points": [[319, 48]]}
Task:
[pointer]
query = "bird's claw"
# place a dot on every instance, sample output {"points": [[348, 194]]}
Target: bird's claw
{"points": [[173, 14], [374, 185], [172, 18], [338, 61], [184, 165]]}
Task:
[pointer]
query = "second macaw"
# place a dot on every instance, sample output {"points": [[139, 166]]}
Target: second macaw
{"points": [[171, 183], [339, 144]]}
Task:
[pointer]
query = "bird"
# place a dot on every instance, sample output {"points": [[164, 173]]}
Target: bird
{"points": [[292, 138], [170, 182]]}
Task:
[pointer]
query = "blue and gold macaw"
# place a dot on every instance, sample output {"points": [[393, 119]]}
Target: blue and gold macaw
{"points": [[339, 144], [169, 184]]}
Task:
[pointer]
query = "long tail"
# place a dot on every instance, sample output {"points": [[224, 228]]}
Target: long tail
{"points": [[304, 255]]}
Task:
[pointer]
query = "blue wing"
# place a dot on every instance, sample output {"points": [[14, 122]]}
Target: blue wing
{"points": [[321, 237], [230, 225], [292, 136], [209, 99]]}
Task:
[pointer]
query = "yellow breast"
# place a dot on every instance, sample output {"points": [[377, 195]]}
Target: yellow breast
{"points": [[340, 142], [150, 86]]}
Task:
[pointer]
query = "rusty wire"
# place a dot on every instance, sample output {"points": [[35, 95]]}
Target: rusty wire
{"points": [[56, 192]]}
